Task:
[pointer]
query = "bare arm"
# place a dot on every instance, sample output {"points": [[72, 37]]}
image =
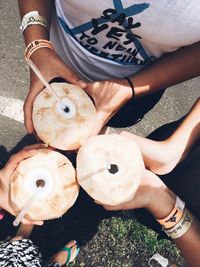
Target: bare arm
{"points": [[188, 133], [171, 69], [159, 200], [44, 8], [7, 172], [47, 60], [189, 243], [162, 156]]}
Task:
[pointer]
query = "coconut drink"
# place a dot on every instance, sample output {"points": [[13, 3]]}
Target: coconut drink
{"points": [[110, 168], [64, 123], [52, 175]]}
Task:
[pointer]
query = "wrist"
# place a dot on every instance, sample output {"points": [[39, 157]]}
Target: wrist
{"points": [[35, 32], [35, 46], [131, 85], [163, 201], [124, 86]]}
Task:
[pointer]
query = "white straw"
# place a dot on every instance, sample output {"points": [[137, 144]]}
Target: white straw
{"points": [[26, 207], [41, 77], [107, 160]]}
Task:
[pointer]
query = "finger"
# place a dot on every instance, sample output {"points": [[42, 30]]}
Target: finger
{"points": [[73, 78], [82, 84], [98, 202], [28, 105], [89, 89], [36, 146], [100, 121], [17, 158], [23, 154], [28, 109], [39, 146], [28, 120], [26, 221]]}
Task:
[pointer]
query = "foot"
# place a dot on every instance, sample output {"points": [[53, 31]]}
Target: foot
{"points": [[67, 255], [160, 157]]}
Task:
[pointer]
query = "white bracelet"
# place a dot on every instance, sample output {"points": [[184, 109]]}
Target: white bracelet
{"points": [[33, 18], [182, 226]]}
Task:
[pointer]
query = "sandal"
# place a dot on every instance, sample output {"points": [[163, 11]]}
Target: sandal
{"points": [[70, 256]]}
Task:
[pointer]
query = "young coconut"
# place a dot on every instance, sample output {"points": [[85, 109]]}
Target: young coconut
{"points": [[110, 168], [67, 123], [55, 176]]}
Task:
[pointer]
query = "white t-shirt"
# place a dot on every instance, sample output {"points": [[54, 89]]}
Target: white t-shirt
{"points": [[116, 38]]}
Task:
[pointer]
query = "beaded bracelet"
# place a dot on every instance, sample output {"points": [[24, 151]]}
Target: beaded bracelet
{"points": [[132, 87], [35, 45]]}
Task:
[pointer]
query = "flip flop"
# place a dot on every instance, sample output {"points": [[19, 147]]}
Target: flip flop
{"points": [[69, 251]]}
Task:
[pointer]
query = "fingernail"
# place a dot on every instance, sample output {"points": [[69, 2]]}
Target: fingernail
{"points": [[44, 145], [82, 83]]}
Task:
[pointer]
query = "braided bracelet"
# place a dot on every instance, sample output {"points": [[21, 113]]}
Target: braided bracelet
{"points": [[35, 45]]}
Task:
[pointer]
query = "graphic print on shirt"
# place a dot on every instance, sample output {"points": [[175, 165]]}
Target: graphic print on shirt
{"points": [[111, 36]]}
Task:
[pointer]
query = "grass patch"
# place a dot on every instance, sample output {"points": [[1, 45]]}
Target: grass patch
{"points": [[127, 243]]}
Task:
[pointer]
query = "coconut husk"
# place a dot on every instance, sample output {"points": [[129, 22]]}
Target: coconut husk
{"points": [[67, 124], [117, 183], [59, 192]]}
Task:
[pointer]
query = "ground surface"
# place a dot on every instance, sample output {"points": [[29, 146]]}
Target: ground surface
{"points": [[106, 239]]}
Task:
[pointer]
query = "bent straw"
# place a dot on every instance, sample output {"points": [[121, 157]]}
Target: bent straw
{"points": [[26, 207], [41, 77]]}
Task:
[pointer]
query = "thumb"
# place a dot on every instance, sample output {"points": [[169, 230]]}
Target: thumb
{"points": [[89, 89], [99, 123], [32, 222], [82, 84], [71, 77]]}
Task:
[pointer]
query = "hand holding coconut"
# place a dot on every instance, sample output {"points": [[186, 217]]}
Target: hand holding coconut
{"points": [[110, 168], [45, 185], [109, 97], [5, 175], [64, 122], [51, 65]]}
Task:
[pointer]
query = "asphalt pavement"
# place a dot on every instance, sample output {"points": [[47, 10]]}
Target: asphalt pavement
{"points": [[14, 84]]}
